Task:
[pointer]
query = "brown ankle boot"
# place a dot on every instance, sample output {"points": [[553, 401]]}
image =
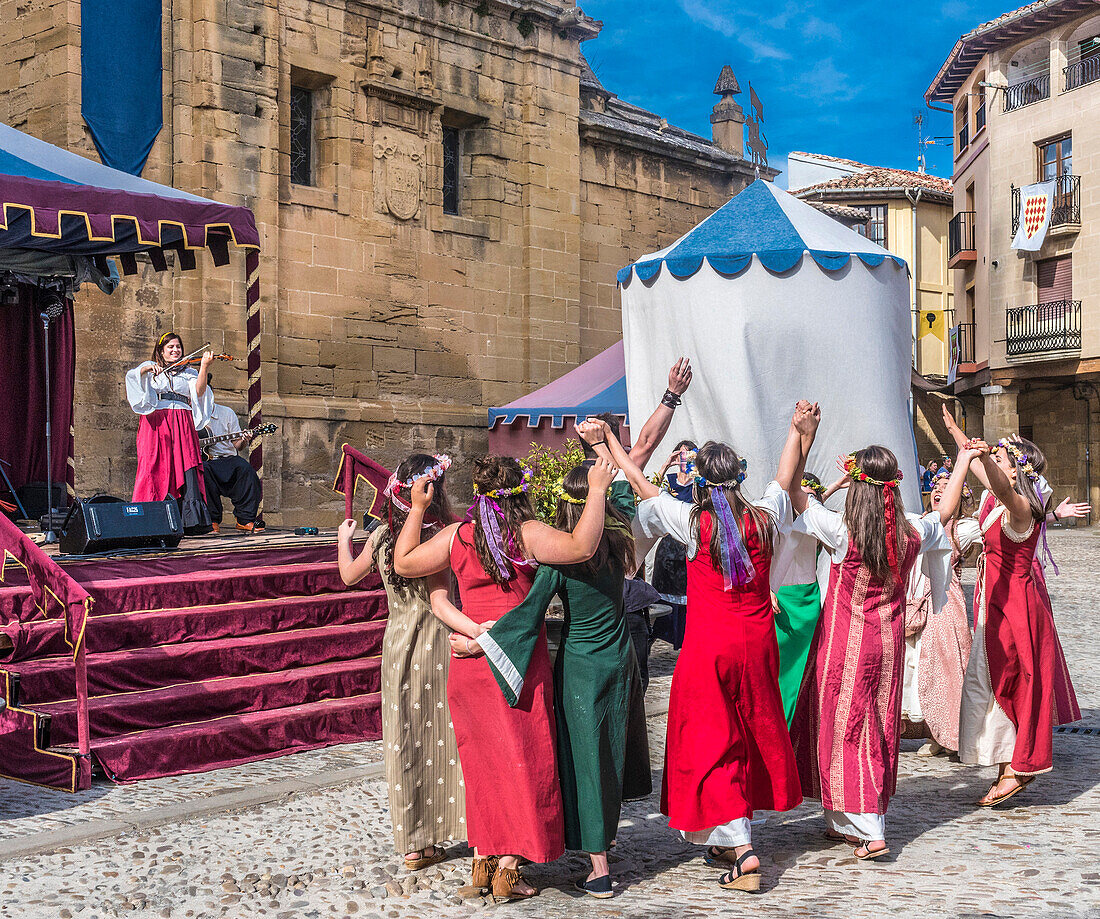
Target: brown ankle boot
{"points": [[504, 884], [482, 871]]}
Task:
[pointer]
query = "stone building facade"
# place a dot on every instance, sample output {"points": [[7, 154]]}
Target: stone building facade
{"points": [[444, 192], [1025, 93]]}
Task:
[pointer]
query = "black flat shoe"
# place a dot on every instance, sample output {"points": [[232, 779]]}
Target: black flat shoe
{"points": [[600, 888]]}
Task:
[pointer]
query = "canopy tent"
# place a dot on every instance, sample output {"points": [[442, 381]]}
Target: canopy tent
{"points": [[596, 386], [774, 301], [60, 211]]}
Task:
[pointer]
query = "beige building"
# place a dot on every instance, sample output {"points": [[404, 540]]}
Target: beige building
{"points": [[1025, 94], [444, 193], [907, 213]]}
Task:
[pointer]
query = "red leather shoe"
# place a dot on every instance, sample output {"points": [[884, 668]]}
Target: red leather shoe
{"points": [[217, 527]]}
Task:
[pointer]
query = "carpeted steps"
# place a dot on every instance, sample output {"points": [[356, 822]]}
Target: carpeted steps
{"points": [[197, 661]]}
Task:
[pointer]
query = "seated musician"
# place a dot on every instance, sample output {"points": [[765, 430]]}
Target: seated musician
{"points": [[228, 474], [172, 404]]}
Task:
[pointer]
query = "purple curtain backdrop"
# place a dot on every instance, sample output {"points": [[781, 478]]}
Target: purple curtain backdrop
{"points": [[23, 389]]}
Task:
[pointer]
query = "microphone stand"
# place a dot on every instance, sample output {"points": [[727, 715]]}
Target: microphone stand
{"points": [[50, 312]]}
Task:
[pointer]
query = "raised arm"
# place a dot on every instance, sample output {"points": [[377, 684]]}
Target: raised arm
{"points": [[555, 547], [961, 441], [352, 569], [1016, 505], [792, 462], [410, 558], [952, 494], [594, 428], [655, 428]]}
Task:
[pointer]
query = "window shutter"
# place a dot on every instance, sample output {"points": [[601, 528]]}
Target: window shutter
{"points": [[1055, 276]]}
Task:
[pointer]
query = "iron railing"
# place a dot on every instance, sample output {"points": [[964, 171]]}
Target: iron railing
{"points": [[979, 117], [1054, 326], [960, 234], [1086, 70], [964, 138], [1034, 90], [1066, 207], [966, 343]]}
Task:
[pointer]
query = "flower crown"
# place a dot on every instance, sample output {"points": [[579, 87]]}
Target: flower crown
{"points": [[704, 482], [943, 475], [523, 486], [563, 495], [854, 472], [813, 486], [432, 474], [1019, 457]]}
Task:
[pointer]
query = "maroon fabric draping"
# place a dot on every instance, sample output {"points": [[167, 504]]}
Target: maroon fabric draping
{"points": [[22, 380], [355, 466]]}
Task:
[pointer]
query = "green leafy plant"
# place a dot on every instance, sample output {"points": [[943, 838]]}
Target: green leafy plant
{"points": [[549, 466]]}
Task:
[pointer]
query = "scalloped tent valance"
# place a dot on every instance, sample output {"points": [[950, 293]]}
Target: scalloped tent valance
{"points": [[766, 222]]}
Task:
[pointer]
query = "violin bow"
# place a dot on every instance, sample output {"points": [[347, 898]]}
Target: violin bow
{"points": [[182, 362]]}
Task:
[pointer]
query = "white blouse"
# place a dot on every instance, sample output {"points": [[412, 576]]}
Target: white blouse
{"points": [[146, 394], [665, 515], [935, 548]]}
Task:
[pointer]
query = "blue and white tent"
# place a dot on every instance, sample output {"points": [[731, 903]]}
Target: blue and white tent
{"points": [[775, 301]]}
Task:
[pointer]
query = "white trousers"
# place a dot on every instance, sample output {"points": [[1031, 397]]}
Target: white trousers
{"points": [[862, 826], [735, 833]]}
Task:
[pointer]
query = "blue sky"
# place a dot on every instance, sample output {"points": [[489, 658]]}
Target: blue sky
{"points": [[839, 78]]}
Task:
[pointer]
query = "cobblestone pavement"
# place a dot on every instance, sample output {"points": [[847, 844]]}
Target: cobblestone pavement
{"points": [[328, 853]]}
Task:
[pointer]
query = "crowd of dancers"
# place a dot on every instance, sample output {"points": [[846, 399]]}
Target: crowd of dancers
{"points": [[782, 690]]}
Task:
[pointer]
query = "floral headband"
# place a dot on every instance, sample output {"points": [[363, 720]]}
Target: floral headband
{"points": [[943, 475], [704, 482], [563, 495], [523, 486], [1018, 457], [854, 472], [432, 474]]}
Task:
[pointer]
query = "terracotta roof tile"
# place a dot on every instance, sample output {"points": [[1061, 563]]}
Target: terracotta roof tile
{"points": [[875, 177]]}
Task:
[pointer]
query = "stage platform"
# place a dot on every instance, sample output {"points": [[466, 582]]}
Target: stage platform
{"points": [[228, 649]]}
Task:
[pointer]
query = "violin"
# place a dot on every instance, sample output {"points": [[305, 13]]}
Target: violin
{"points": [[195, 361]]}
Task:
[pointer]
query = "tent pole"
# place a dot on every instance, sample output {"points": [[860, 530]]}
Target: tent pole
{"points": [[255, 393]]}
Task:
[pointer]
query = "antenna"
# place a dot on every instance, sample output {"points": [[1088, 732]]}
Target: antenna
{"points": [[918, 121]]}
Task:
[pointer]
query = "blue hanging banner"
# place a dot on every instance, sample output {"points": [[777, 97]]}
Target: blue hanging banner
{"points": [[120, 82]]}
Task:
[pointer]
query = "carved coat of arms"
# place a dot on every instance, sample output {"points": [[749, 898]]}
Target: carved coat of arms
{"points": [[398, 166]]}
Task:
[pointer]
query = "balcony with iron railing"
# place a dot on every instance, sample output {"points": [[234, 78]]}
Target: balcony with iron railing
{"points": [[1065, 211], [979, 118], [1027, 92], [1044, 328], [1082, 72], [961, 248], [966, 342], [964, 138]]}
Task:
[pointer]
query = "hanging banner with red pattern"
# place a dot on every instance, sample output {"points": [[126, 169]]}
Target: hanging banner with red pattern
{"points": [[1036, 203]]}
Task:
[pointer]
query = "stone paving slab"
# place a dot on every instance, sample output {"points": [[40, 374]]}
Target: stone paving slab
{"points": [[328, 851]]}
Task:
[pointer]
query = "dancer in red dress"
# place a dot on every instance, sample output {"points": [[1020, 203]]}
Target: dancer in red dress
{"points": [[847, 721], [513, 800], [728, 752], [173, 406], [1017, 685]]}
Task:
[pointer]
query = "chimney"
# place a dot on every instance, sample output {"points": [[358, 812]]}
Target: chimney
{"points": [[727, 118]]}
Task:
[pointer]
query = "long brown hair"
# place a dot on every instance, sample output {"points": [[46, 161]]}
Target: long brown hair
{"points": [[500, 473], [439, 511], [617, 543], [1026, 486], [717, 462], [865, 512], [158, 348]]}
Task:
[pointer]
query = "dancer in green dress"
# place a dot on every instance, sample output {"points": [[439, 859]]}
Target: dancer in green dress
{"points": [[797, 609], [596, 679]]}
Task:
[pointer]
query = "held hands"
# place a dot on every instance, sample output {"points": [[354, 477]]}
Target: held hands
{"points": [[462, 646], [807, 417], [600, 476], [977, 447], [422, 492], [679, 377], [347, 530], [592, 431]]}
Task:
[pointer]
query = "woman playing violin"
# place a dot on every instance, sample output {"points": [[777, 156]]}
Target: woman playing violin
{"points": [[173, 404]]}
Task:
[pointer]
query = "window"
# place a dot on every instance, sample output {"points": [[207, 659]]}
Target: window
{"points": [[876, 226], [301, 136], [452, 151], [1054, 277], [1056, 159]]}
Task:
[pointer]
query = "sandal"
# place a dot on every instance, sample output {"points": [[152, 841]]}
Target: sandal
{"points": [[504, 886], [482, 871], [834, 836], [600, 887], [424, 860], [741, 880], [1021, 784], [872, 854], [719, 856]]}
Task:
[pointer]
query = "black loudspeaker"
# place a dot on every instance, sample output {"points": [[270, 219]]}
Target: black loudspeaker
{"points": [[103, 523]]}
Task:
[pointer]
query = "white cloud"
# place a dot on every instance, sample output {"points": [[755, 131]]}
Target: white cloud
{"points": [[744, 28]]}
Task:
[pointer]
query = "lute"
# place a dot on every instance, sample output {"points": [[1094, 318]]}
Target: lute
{"points": [[257, 431]]}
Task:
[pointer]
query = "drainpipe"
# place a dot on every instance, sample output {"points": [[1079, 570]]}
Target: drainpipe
{"points": [[914, 200], [1078, 391]]}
